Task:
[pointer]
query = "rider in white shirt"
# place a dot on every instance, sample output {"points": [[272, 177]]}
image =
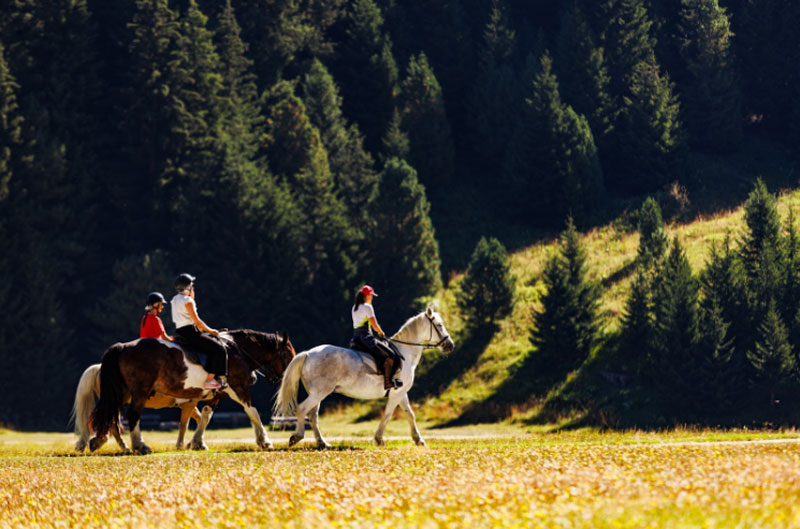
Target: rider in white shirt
{"points": [[363, 322]]}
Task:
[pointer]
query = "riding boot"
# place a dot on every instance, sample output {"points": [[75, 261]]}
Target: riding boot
{"points": [[388, 364]]}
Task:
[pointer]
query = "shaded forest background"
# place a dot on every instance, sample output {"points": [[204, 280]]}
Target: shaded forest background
{"points": [[287, 151]]}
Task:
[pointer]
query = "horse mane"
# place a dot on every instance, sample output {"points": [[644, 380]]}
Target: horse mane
{"points": [[413, 320], [264, 338]]}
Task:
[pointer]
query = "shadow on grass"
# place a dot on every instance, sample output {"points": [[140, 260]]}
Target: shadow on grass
{"points": [[533, 378]]}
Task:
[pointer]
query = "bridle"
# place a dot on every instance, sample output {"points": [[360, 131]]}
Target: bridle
{"points": [[261, 365], [442, 338]]}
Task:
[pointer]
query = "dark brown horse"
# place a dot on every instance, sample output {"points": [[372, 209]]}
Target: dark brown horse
{"points": [[134, 371]]}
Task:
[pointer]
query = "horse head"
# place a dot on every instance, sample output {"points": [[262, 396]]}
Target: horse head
{"points": [[444, 340], [272, 351]]}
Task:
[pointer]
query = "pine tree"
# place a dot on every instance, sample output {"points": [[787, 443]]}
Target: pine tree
{"points": [[637, 323], [425, 121], [568, 324], [762, 228], [583, 73], [395, 141], [10, 126], [486, 293], [652, 236], [711, 96], [403, 252], [648, 139], [675, 367], [553, 162], [715, 349], [350, 165], [772, 356], [491, 105], [323, 235], [367, 71]]}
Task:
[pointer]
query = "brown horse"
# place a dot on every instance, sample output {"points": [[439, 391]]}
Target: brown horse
{"points": [[89, 390], [135, 370]]}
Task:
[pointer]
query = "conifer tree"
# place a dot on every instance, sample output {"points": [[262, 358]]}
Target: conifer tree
{"points": [[403, 252], [711, 97], [648, 139], [486, 293], [553, 160], [367, 71], [566, 328], [323, 236], [772, 356], [637, 323], [10, 127], [720, 370], [425, 121], [350, 165], [395, 141], [583, 73], [675, 367], [762, 228], [652, 236], [491, 103]]}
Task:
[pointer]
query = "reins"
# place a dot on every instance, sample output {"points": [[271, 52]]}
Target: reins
{"points": [[259, 365], [433, 326]]}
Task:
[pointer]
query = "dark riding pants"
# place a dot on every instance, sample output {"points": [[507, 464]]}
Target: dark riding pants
{"points": [[364, 340], [214, 347]]}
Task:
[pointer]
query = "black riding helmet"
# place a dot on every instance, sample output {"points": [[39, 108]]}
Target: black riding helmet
{"points": [[184, 281], [153, 298]]}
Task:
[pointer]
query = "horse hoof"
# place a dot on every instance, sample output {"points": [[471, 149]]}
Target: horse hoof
{"points": [[179, 446], [293, 440], [80, 446], [143, 450], [420, 442], [265, 446], [199, 446], [324, 444], [95, 443], [380, 441]]}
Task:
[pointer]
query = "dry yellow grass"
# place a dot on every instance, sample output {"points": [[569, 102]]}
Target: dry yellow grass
{"points": [[478, 483]]}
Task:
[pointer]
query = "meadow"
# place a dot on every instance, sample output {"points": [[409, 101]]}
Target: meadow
{"points": [[481, 476]]}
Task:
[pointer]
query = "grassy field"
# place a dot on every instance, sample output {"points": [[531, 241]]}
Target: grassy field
{"points": [[483, 476]]}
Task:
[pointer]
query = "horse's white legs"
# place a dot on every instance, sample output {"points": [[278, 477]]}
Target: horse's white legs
{"points": [[313, 417], [197, 439], [391, 404], [136, 441], [412, 420], [303, 409]]}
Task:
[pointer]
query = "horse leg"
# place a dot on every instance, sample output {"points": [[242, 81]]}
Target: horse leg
{"points": [[188, 410], [117, 432], [313, 417], [412, 421], [262, 440], [303, 409], [197, 440], [391, 404], [134, 412]]}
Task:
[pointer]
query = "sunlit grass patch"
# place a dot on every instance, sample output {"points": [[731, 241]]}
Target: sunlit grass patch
{"points": [[544, 480]]}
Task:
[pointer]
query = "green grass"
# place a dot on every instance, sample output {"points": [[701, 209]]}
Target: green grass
{"points": [[480, 386]]}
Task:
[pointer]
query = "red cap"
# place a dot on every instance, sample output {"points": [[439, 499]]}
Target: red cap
{"points": [[367, 290]]}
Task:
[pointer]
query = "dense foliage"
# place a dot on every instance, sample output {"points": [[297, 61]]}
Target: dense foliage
{"points": [[286, 152]]}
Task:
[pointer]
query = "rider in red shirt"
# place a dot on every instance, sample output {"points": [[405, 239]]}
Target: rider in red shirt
{"points": [[151, 325]]}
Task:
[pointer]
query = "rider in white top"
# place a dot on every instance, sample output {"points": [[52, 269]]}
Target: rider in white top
{"points": [[363, 323]]}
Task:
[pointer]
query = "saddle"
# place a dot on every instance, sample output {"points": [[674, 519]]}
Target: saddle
{"points": [[192, 354], [394, 355]]}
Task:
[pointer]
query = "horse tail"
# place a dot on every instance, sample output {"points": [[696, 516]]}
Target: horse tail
{"points": [[84, 403], [286, 400], [112, 388]]}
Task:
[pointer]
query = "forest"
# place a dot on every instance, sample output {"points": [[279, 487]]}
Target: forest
{"points": [[288, 151]]}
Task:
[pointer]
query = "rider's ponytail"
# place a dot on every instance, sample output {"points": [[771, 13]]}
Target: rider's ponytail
{"points": [[360, 298]]}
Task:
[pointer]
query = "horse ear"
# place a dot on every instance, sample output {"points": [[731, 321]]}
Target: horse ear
{"points": [[284, 336], [429, 312]]}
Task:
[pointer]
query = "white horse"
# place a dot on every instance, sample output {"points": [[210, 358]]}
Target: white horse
{"points": [[327, 368]]}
